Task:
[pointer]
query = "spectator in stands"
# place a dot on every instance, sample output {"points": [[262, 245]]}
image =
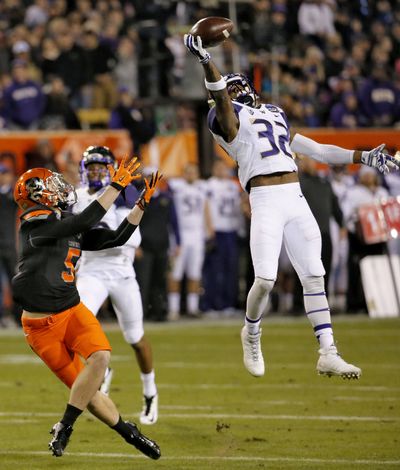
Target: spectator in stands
{"points": [[23, 100], [345, 113], [49, 54], [126, 70], [72, 67], [366, 191], [379, 99], [128, 115], [316, 20], [101, 62], [8, 217], [151, 258], [21, 50], [58, 113]]}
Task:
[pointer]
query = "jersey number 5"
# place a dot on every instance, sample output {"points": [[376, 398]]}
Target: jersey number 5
{"points": [[276, 147], [69, 274]]}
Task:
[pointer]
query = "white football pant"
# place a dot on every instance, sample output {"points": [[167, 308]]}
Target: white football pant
{"points": [[125, 297], [281, 213]]}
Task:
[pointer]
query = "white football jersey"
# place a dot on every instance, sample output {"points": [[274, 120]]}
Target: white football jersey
{"points": [[261, 145], [224, 199], [111, 263], [189, 200]]}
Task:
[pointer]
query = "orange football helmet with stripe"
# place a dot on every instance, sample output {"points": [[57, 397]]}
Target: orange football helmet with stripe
{"points": [[42, 186]]}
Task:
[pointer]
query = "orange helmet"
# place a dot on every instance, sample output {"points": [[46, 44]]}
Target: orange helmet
{"points": [[42, 186]]}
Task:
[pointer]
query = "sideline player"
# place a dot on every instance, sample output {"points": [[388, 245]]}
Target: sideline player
{"points": [[59, 328], [110, 273], [194, 221], [257, 137]]}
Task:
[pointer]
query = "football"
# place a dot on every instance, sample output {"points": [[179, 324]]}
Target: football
{"points": [[213, 30]]}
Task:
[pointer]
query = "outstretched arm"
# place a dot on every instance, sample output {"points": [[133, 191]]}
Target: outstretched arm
{"points": [[216, 85], [338, 156], [84, 221]]}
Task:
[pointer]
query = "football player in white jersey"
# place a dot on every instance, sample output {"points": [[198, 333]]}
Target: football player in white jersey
{"points": [[257, 137], [110, 273], [195, 228], [221, 265]]}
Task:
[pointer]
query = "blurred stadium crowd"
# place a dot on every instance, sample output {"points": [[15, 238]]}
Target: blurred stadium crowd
{"points": [[326, 62]]}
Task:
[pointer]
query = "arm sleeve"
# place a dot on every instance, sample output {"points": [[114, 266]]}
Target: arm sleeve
{"points": [[100, 238], [71, 225], [321, 152]]}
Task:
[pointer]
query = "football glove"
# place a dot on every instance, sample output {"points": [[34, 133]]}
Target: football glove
{"points": [[148, 190], [376, 158], [125, 173], [195, 46]]}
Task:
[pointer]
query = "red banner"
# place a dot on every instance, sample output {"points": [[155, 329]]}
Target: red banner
{"points": [[380, 222]]}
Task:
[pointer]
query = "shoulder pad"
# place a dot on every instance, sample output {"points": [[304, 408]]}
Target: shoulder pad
{"points": [[35, 214]]}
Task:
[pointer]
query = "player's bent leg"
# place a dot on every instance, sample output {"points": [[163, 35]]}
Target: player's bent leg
{"points": [[257, 300], [105, 410], [88, 381]]}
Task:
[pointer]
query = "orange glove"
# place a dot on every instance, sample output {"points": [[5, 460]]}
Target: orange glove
{"points": [[148, 191], [124, 174]]}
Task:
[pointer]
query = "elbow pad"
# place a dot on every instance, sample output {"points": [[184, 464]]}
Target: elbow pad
{"points": [[321, 152]]}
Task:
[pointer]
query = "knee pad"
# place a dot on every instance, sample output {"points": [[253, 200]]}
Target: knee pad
{"points": [[134, 335], [313, 285], [261, 287]]}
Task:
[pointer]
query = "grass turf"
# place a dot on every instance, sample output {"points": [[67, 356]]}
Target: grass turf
{"points": [[212, 412]]}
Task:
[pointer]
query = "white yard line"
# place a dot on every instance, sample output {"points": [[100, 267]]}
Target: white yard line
{"points": [[235, 416], [113, 455]]}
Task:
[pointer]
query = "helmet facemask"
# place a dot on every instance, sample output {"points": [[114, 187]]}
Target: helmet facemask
{"points": [[101, 155], [61, 192], [241, 89]]}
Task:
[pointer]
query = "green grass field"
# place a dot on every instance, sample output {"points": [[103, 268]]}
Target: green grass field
{"points": [[213, 414]]}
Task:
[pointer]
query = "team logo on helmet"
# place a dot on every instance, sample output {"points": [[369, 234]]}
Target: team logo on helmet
{"points": [[42, 186], [241, 89], [96, 154]]}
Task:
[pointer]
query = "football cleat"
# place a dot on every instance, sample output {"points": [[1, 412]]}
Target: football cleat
{"points": [[142, 443], [252, 355], [61, 434], [149, 414], [330, 363], [106, 384]]}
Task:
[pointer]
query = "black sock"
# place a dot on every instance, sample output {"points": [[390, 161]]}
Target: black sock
{"points": [[71, 415], [122, 428]]}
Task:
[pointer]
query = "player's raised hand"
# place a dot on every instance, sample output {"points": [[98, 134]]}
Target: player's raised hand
{"points": [[125, 173], [149, 189], [376, 158], [195, 46]]}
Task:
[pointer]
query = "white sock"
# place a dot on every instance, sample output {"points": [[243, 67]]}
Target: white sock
{"points": [[192, 302], [174, 302], [253, 326], [149, 384], [317, 309]]}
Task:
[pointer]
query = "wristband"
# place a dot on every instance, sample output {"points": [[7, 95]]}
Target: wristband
{"points": [[216, 86], [117, 186]]}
